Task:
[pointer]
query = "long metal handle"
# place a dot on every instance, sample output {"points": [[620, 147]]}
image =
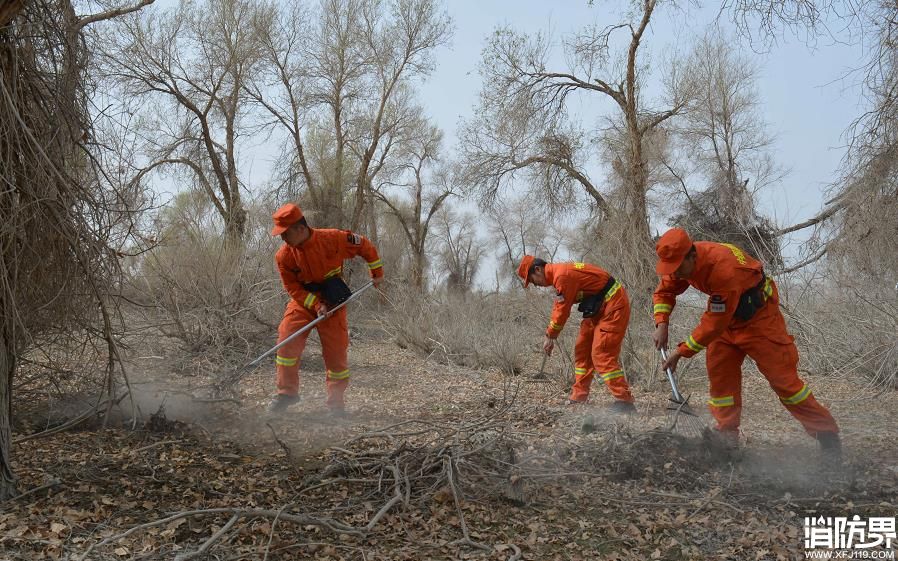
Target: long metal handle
{"points": [[311, 324], [542, 366], [678, 397]]}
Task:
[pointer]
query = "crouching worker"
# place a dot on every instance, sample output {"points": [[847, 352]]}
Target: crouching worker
{"points": [[742, 319], [606, 313], [311, 266]]}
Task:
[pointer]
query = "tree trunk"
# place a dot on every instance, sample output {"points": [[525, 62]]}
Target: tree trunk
{"points": [[371, 214], [637, 262], [235, 224], [418, 270], [7, 369]]}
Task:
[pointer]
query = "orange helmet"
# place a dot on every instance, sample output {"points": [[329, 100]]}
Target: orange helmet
{"points": [[671, 248], [284, 217], [524, 269]]}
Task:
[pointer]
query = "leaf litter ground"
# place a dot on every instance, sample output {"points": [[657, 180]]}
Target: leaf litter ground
{"points": [[438, 462]]}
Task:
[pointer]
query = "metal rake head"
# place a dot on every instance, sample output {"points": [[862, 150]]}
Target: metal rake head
{"points": [[683, 419]]}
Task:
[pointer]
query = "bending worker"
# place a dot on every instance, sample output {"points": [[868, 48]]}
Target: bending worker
{"points": [[606, 313], [311, 265], [742, 318]]}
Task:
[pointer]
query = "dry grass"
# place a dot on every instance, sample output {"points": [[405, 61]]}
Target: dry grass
{"points": [[477, 330], [847, 331], [202, 290]]}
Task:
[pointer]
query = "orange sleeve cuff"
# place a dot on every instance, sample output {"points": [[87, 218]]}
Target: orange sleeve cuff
{"points": [[310, 301], [553, 330], [685, 351]]}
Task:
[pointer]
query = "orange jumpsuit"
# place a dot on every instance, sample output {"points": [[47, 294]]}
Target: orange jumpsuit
{"points": [[319, 258], [599, 342], [725, 272]]}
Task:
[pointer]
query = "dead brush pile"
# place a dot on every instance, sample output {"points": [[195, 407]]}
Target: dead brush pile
{"points": [[401, 473]]}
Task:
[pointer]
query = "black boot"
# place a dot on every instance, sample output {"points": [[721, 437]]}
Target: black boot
{"points": [[623, 407], [339, 413], [589, 425], [830, 445], [282, 402]]}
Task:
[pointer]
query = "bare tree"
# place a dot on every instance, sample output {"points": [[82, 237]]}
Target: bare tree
{"points": [[345, 71], [725, 136], [856, 216], [522, 124], [401, 47], [63, 219], [189, 65], [461, 252], [281, 87], [429, 190], [863, 221], [524, 226]]}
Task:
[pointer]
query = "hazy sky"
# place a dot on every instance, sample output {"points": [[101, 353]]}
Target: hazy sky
{"points": [[804, 98]]}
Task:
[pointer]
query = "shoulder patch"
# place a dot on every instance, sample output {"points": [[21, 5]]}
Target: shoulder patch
{"points": [[354, 239], [717, 304]]}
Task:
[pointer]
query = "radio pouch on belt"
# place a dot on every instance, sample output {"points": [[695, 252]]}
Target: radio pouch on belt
{"points": [[591, 304], [751, 301], [333, 290]]}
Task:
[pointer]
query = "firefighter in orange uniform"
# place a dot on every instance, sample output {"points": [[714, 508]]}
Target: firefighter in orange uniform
{"points": [[311, 265], [742, 319], [606, 313]]}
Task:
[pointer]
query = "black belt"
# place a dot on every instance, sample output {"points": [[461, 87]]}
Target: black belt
{"points": [[590, 305]]}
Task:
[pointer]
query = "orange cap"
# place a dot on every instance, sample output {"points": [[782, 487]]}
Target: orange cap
{"points": [[284, 217], [671, 248], [524, 269]]}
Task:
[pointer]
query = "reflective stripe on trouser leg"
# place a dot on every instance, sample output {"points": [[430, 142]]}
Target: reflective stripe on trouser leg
{"points": [[797, 397], [777, 359], [617, 384], [334, 335], [582, 382], [724, 363], [344, 375], [607, 342], [287, 359], [583, 372]]}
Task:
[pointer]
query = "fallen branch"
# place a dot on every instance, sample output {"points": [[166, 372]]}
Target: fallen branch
{"points": [[466, 537], [49, 485], [326, 523], [516, 556], [72, 423], [154, 445], [207, 545]]}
